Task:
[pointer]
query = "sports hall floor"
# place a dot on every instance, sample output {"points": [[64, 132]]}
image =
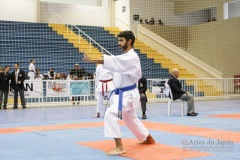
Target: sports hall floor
{"points": [[71, 133]]}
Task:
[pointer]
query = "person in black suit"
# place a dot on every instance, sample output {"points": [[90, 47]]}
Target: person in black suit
{"points": [[178, 93], [17, 83], [142, 87], [4, 87]]}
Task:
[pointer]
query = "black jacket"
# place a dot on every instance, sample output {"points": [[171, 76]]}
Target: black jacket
{"points": [[21, 78], [4, 81], [176, 87], [79, 73], [142, 85]]}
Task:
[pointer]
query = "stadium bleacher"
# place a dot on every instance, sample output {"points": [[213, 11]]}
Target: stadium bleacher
{"points": [[22, 41], [150, 69]]}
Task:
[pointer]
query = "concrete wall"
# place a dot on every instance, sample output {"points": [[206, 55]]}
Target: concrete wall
{"points": [[75, 14], [217, 44], [122, 18], [18, 10], [93, 13], [173, 34]]}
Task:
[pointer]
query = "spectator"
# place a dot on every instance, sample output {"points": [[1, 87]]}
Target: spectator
{"points": [[77, 74], [17, 83], [39, 76], [142, 87], [152, 21], [178, 93], [32, 71], [63, 76], [141, 21], [58, 76], [90, 75], [146, 21], [160, 22], [51, 74], [4, 86], [214, 19]]}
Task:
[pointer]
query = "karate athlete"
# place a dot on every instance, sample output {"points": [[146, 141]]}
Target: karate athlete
{"points": [[125, 99], [32, 70], [104, 86]]}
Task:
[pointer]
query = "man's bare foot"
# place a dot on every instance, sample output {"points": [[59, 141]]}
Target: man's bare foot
{"points": [[115, 152], [149, 140]]}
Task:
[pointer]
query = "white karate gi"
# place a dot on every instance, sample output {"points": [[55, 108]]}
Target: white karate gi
{"points": [[103, 75], [32, 71], [127, 71]]}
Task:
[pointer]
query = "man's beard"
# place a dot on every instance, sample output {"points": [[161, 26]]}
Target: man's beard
{"points": [[123, 47]]}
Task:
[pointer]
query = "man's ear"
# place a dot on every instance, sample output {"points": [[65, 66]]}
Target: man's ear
{"points": [[129, 41]]}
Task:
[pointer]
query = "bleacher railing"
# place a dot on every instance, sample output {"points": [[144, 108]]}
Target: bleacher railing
{"points": [[59, 91], [102, 49]]}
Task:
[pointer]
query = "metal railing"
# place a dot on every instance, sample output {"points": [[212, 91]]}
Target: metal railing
{"points": [[103, 50], [84, 90], [202, 88]]}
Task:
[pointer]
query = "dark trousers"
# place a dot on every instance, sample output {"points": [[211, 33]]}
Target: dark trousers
{"points": [[5, 99], [143, 100], [76, 98], [21, 93]]}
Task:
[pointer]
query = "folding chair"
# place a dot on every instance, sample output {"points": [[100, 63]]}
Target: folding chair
{"points": [[170, 100]]}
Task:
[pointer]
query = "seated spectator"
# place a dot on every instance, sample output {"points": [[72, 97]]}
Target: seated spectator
{"points": [[77, 73], [152, 21], [160, 22], [63, 76], [90, 75], [178, 93], [214, 19], [141, 21], [51, 74], [146, 21], [38, 75], [58, 76]]}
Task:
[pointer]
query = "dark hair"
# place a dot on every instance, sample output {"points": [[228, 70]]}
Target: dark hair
{"points": [[7, 66], [31, 60], [128, 35]]}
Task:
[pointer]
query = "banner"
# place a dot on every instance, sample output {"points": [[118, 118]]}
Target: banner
{"points": [[158, 86], [57, 88], [78, 88], [32, 89]]}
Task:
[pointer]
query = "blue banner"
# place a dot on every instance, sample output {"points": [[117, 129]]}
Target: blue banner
{"points": [[79, 88]]}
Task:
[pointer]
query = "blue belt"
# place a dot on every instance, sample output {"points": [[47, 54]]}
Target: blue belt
{"points": [[119, 91]]}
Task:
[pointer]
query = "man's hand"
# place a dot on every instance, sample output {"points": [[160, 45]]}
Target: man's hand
{"points": [[86, 58]]}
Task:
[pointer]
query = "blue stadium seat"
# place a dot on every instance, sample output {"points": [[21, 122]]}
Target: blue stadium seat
{"points": [[22, 41]]}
